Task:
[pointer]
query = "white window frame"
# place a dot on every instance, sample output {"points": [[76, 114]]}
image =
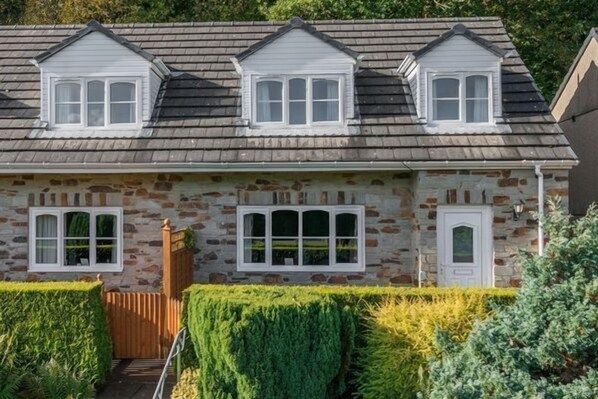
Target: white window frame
{"points": [[308, 100], [59, 266], [83, 81], [267, 210], [461, 77]]}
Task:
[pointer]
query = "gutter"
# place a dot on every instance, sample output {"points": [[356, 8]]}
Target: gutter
{"points": [[540, 176], [210, 167]]}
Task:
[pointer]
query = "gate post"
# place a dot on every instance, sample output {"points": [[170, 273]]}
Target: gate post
{"points": [[167, 258]]}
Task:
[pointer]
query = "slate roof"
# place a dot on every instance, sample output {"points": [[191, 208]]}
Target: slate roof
{"points": [[198, 110]]}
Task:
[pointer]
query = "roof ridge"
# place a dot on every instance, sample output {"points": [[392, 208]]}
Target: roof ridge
{"points": [[253, 23]]}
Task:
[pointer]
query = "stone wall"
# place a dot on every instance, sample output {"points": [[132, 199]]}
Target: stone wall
{"points": [[400, 218], [501, 189], [208, 203]]}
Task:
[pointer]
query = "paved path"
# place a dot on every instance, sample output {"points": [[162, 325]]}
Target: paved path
{"points": [[135, 379]]}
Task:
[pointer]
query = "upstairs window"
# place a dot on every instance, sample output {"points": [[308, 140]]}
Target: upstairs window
{"points": [[96, 103], [460, 98], [297, 101]]}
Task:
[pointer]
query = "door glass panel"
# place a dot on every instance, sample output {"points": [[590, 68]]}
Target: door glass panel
{"points": [[463, 244]]}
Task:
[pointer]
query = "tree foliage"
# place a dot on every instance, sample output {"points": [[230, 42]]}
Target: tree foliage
{"points": [[546, 344], [547, 33]]}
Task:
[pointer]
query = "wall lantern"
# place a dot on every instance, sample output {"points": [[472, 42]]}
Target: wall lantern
{"points": [[517, 210]]}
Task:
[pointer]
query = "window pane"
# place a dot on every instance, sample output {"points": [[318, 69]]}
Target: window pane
{"points": [[325, 111], [476, 86], [122, 91], [285, 223], [106, 226], [95, 114], [76, 252], [68, 113], [346, 250], [477, 111], [68, 92], [254, 225], [324, 89], [316, 252], [316, 224], [46, 251], [122, 113], [297, 113], [285, 252], [269, 91], [46, 226], [445, 88], [269, 112], [463, 244], [95, 91], [254, 251], [346, 225], [106, 251], [297, 89], [446, 110], [76, 224]]}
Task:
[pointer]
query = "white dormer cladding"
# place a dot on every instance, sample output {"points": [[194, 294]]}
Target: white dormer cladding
{"points": [[98, 55], [298, 53], [458, 54]]}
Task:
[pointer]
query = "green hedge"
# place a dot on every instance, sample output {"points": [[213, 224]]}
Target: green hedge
{"points": [[255, 344], [210, 309], [61, 321]]}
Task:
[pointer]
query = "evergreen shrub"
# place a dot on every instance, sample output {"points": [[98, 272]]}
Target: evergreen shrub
{"points": [[546, 344], [60, 322]]}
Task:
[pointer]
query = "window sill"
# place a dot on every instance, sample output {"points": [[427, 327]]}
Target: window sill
{"points": [[462, 128], [321, 130], [294, 269], [75, 269], [129, 132]]}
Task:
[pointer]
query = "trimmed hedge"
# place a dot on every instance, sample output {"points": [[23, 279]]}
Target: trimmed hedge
{"points": [[255, 344], [218, 304], [61, 321]]}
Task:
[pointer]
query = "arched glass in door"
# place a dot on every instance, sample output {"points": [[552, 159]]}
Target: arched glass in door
{"points": [[463, 244]]}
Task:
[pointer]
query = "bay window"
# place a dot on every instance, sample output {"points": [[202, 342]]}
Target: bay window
{"points": [[301, 238], [297, 101], [95, 102], [75, 239], [460, 97]]}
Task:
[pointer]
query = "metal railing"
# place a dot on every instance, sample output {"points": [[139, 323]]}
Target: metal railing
{"points": [[175, 354]]}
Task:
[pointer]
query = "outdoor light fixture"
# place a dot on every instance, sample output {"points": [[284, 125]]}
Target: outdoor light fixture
{"points": [[517, 210]]}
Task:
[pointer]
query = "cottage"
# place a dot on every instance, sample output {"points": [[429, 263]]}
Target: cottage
{"points": [[343, 152], [575, 107]]}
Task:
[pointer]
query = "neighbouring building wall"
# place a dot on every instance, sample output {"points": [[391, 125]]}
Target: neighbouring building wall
{"points": [[400, 218], [500, 189]]}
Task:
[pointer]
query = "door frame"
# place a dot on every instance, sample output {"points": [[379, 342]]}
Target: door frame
{"points": [[486, 245]]}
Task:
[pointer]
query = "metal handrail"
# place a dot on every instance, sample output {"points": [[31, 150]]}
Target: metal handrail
{"points": [[175, 351]]}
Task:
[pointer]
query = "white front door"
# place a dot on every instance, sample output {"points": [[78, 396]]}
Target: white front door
{"points": [[465, 246]]}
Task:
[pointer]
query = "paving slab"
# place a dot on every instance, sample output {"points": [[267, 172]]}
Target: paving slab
{"points": [[135, 379]]}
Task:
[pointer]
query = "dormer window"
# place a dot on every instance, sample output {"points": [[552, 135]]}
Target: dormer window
{"points": [[297, 101], [97, 103], [460, 98]]}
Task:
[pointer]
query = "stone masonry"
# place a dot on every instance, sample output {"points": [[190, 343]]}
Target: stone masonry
{"points": [[400, 218]]}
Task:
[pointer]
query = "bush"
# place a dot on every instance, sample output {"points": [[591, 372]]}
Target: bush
{"points": [[399, 340], [546, 344], [253, 343], [186, 388], [61, 321], [358, 300], [55, 381]]}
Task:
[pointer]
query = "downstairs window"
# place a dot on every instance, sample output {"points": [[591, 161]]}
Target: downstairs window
{"points": [[300, 238], [75, 239]]}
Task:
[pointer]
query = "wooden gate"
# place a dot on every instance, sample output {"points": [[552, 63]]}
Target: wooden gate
{"points": [[143, 324]]}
